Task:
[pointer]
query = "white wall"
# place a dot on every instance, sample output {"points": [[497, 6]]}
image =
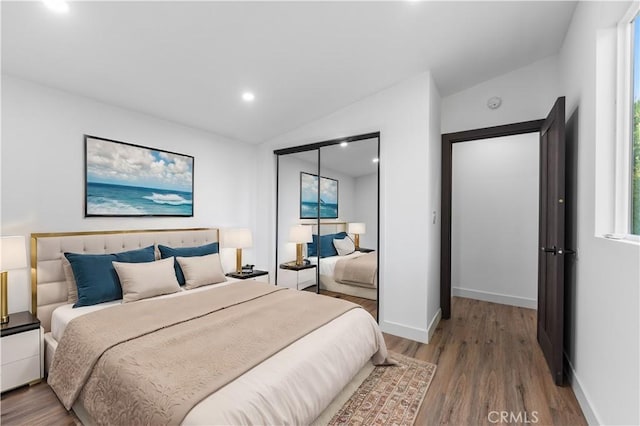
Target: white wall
{"points": [[434, 171], [494, 228], [42, 168], [366, 208], [402, 114], [604, 301], [527, 94]]}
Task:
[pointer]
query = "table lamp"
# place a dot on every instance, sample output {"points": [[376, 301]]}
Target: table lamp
{"points": [[13, 255], [238, 238], [356, 228], [300, 234]]}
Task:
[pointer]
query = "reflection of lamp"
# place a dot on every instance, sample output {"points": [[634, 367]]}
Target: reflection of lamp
{"points": [[13, 255], [356, 228], [238, 238], [300, 234]]}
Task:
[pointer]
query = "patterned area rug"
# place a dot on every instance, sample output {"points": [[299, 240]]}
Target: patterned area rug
{"points": [[391, 395]]}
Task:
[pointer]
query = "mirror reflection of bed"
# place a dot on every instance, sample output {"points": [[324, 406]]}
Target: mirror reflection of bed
{"points": [[349, 270], [339, 249]]}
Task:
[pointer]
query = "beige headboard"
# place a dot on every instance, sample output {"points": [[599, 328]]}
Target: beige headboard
{"points": [[48, 285], [327, 228]]}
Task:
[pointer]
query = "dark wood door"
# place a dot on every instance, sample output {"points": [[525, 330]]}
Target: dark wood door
{"points": [[551, 240]]}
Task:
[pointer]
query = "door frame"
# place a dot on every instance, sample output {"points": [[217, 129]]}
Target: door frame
{"points": [[448, 139]]}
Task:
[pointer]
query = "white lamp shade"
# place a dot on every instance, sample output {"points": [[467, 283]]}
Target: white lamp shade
{"points": [[356, 228], [238, 238], [300, 234], [13, 253]]}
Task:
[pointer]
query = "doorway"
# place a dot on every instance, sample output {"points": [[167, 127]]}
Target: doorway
{"points": [[551, 250], [494, 223]]}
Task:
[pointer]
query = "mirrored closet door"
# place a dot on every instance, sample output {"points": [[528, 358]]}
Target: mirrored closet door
{"points": [[297, 196], [327, 218]]}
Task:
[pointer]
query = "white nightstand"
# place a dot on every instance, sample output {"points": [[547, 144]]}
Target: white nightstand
{"points": [[298, 277], [21, 349]]}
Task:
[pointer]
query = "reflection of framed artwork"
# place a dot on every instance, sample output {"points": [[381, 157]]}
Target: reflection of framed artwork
{"points": [[123, 179], [309, 197]]}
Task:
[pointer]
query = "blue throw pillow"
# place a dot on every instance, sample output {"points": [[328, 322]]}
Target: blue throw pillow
{"points": [[327, 248], [166, 252], [96, 278]]}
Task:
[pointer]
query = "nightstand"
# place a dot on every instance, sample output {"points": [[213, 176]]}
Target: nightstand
{"points": [[21, 351], [365, 250], [298, 277], [251, 275]]}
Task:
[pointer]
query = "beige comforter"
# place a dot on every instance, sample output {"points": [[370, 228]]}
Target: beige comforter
{"points": [[359, 271], [151, 362]]}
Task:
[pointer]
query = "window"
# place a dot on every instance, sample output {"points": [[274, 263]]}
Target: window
{"points": [[618, 165], [635, 146]]}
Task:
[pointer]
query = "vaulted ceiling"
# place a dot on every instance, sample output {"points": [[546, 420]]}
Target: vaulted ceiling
{"points": [[189, 62]]}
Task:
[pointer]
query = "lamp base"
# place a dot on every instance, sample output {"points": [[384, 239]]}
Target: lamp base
{"points": [[299, 254], [356, 241], [238, 261], [4, 310]]}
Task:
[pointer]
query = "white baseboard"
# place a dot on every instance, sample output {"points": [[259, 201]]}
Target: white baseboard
{"points": [[434, 324], [487, 296], [406, 331], [581, 395]]}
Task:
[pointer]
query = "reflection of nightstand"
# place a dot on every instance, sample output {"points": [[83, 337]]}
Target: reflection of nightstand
{"points": [[298, 277], [251, 275], [365, 250], [21, 350]]}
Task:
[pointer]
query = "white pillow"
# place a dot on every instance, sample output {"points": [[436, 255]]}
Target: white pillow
{"points": [[148, 279], [201, 270], [72, 288], [344, 246]]}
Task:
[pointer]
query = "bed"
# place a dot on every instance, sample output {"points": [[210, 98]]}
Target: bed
{"points": [[354, 274], [329, 281], [292, 381]]}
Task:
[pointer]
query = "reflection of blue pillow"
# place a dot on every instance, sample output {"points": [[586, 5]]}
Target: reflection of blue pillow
{"points": [[96, 278], [326, 245], [166, 252]]}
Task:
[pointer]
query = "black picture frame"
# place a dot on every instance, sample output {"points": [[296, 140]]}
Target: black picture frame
{"points": [[310, 199], [128, 180]]}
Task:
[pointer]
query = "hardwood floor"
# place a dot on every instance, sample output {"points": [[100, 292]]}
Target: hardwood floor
{"points": [[369, 305], [488, 361]]}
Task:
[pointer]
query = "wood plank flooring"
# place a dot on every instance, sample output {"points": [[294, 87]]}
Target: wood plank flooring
{"points": [[487, 357]]}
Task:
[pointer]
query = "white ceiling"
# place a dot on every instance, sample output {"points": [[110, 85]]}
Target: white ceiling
{"points": [[189, 62]]}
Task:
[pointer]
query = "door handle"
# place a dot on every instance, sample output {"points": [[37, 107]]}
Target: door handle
{"points": [[556, 250], [549, 250]]}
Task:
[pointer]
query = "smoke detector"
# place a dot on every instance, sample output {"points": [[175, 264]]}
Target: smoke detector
{"points": [[494, 102]]}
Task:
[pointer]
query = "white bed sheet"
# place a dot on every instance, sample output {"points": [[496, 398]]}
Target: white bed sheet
{"points": [[295, 385], [62, 315], [328, 264]]}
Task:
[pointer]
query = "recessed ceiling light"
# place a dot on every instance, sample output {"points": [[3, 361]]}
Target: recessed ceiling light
{"points": [[376, 160], [248, 97], [58, 6], [344, 144]]}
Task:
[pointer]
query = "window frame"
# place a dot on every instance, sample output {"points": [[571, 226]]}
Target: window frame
{"points": [[624, 126]]}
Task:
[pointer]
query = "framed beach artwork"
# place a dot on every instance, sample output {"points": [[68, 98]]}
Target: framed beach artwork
{"points": [[122, 179], [309, 197]]}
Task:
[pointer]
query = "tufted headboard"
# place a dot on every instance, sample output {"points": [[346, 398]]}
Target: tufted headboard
{"points": [[327, 228], [48, 284]]}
